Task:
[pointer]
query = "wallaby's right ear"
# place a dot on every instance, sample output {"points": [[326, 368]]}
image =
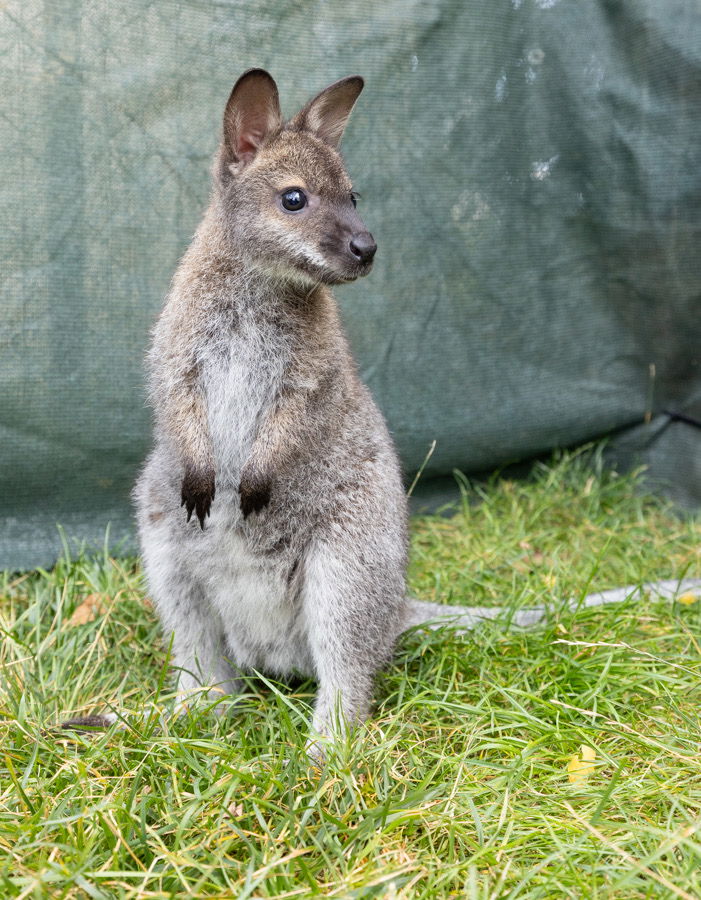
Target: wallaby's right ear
{"points": [[251, 114]]}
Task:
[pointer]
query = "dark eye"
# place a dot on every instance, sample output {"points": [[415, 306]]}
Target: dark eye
{"points": [[294, 199], [354, 198]]}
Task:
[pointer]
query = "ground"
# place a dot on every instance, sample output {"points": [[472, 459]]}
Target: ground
{"points": [[559, 762]]}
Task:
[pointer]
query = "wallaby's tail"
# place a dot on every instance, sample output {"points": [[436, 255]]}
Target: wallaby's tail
{"points": [[436, 615], [465, 618]]}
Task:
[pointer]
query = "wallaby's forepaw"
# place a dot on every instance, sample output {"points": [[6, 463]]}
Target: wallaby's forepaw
{"points": [[254, 492], [198, 492]]}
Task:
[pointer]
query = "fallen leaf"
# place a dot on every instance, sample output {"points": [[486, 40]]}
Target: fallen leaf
{"points": [[687, 599], [88, 610], [235, 810], [581, 765], [527, 563]]}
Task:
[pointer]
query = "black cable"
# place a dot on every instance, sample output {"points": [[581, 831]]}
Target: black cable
{"points": [[682, 417]]}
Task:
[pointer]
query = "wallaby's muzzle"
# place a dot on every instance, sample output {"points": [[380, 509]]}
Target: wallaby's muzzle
{"points": [[363, 247], [348, 249]]}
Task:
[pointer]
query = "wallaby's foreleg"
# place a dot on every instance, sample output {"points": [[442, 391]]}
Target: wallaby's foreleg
{"points": [[284, 432], [181, 410], [277, 440], [190, 417]]}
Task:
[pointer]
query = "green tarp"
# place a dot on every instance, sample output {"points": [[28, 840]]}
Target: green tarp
{"points": [[530, 169]]}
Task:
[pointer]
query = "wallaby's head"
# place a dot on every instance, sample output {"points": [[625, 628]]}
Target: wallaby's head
{"points": [[288, 202]]}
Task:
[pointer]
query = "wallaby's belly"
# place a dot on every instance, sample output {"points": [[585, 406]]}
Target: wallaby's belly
{"points": [[261, 613]]}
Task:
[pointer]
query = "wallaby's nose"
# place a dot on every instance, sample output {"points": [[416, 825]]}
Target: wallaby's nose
{"points": [[363, 246]]}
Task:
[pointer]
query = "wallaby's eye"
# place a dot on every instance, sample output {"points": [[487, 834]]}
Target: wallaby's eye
{"points": [[294, 200], [354, 198]]}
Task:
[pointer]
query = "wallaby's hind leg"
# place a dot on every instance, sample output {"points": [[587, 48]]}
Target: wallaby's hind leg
{"points": [[199, 649], [200, 661], [352, 610]]}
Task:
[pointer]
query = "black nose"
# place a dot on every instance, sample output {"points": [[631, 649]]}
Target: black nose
{"points": [[363, 246]]}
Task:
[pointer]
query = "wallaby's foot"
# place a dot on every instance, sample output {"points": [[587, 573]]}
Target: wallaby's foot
{"points": [[329, 728], [198, 492], [316, 753], [348, 601]]}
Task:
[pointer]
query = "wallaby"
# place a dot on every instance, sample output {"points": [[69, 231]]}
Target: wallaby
{"points": [[295, 558]]}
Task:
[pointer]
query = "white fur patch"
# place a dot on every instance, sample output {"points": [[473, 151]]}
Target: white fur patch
{"points": [[297, 247], [240, 381]]}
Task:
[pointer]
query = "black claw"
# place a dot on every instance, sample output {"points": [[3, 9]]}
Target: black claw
{"points": [[198, 493], [255, 494]]}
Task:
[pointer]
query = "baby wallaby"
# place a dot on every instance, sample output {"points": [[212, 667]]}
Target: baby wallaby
{"points": [[294, 561]]}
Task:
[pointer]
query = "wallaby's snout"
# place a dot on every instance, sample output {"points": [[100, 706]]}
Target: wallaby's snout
{"points": [[346, 245], [363, 247]]}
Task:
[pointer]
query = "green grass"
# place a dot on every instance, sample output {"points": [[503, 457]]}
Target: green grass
{"points": [[458, 786]]}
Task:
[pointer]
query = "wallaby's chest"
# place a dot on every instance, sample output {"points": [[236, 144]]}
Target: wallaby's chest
{"points": [[242, 375]]}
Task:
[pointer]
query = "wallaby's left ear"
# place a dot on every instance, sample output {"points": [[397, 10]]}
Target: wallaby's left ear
{"points": [[327, 114]]}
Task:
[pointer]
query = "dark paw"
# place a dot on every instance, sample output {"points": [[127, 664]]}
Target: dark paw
{"points": [[254, 493], [198, 493]]}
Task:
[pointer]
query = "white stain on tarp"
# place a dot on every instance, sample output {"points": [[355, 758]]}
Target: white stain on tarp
{"points": [[470, 207], [541, 170], [414, 63], [594, 72], [540, 4], [500, 87]]}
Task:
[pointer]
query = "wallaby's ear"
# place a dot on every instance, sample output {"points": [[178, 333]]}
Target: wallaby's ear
{"points": [[252, 112], [327, 114]]}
